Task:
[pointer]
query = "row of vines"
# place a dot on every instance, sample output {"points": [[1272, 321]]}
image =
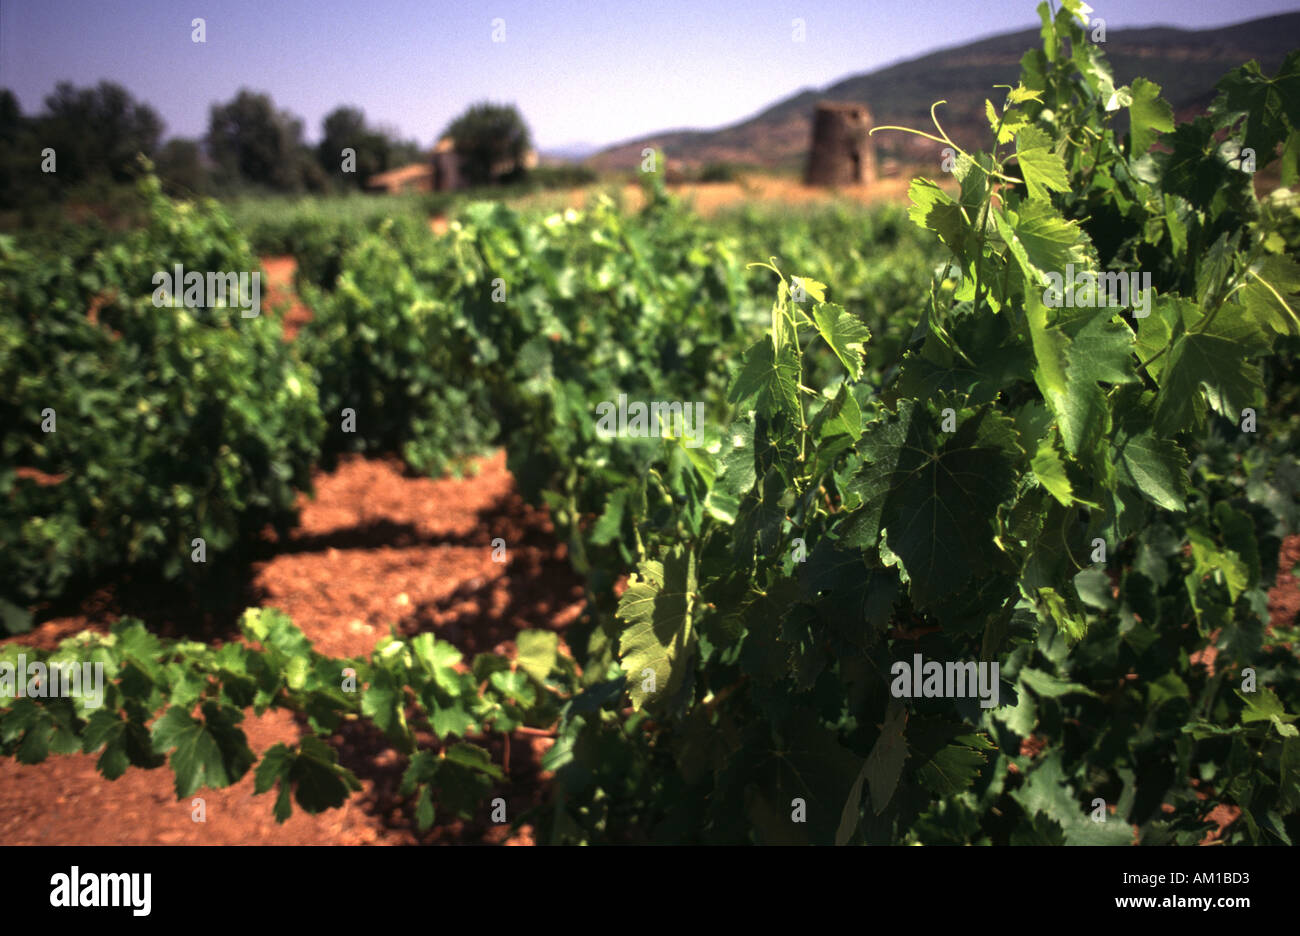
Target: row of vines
{"points": [[908, 450]]}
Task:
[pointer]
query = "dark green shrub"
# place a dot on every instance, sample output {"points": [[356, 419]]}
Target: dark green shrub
{"points": [[720, 172], [561, 177], [387, 348], [170, 423]]}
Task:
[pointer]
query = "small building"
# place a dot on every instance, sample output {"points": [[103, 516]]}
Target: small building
{"points": [[439, 173], [417, 177], [841, 153]]}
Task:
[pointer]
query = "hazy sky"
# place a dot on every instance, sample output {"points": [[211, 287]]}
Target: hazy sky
{"points": [[592, 71]]}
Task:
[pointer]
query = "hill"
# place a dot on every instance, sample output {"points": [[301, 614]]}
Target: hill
{"points": [[1185, 63]]}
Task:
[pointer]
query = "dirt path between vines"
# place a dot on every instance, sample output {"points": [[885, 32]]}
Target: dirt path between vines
{"points": [[279, 292], [375, 549]]}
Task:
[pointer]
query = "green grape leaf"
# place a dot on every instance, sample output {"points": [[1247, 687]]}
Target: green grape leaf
{"points": [[1272, 293], [1045, 685], [538, 650], [1215, 357], [1042, 241], [951, 770], [1157, 330], [1149, 114], [105, 729], [935, 494], [447, 719], [735, 475], [1019, 94], [610, 523], [885, 762], [770, 378], [311, 771], [1013, 121], [44, 729], [1050, 472], [805, 762], [1063, 613], [322, 783], [1071, 362], [1239, 536], [1264, 705], [475, 758], [844, 333], [1022, 717], [421, 768], [657, 647], [438, 658], [1209, 560], [514, 685], [1091, 62], [424, 809], [1078, 9], [1155, 466], [275, 768], [1045, 791], [1041, 166], [810, 286], [211, 752], [1268, 104], [933, 209], [384, 703]]}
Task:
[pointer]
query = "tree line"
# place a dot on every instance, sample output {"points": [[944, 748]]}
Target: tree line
{"points": [[90, 137]]}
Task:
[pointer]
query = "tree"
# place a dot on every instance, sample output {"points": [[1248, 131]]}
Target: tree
{"points": [[345, 128], [491, 141], [402, 152], [16, 148], [252, 141], [11, 115], [377, 148], [180, 166], [97, 131]]}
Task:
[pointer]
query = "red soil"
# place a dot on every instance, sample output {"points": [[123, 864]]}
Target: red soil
{"points": [[279, 291], [375, 549], [1284, 596]]}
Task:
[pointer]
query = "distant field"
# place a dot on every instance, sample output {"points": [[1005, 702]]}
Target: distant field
{"points": [[279, 225], [709, 198], [273, 222]]}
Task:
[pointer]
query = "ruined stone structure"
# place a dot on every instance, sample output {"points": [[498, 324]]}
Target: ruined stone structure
{"points": [[841, 152], [446, 166]]}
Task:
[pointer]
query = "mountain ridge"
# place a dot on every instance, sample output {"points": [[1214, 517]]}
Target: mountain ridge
{"points": [[1186, 63]]}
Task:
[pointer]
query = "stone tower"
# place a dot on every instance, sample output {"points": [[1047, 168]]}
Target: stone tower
{"points": [[841, 152]]}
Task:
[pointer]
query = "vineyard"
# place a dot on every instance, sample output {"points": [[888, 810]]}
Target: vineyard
{"points": [[1037, 429]]}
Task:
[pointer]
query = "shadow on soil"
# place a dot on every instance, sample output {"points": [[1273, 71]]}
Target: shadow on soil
{"points": [[479, 615]]}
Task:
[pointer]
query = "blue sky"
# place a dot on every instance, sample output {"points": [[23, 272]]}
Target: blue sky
{"points": [[595, 72]]}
